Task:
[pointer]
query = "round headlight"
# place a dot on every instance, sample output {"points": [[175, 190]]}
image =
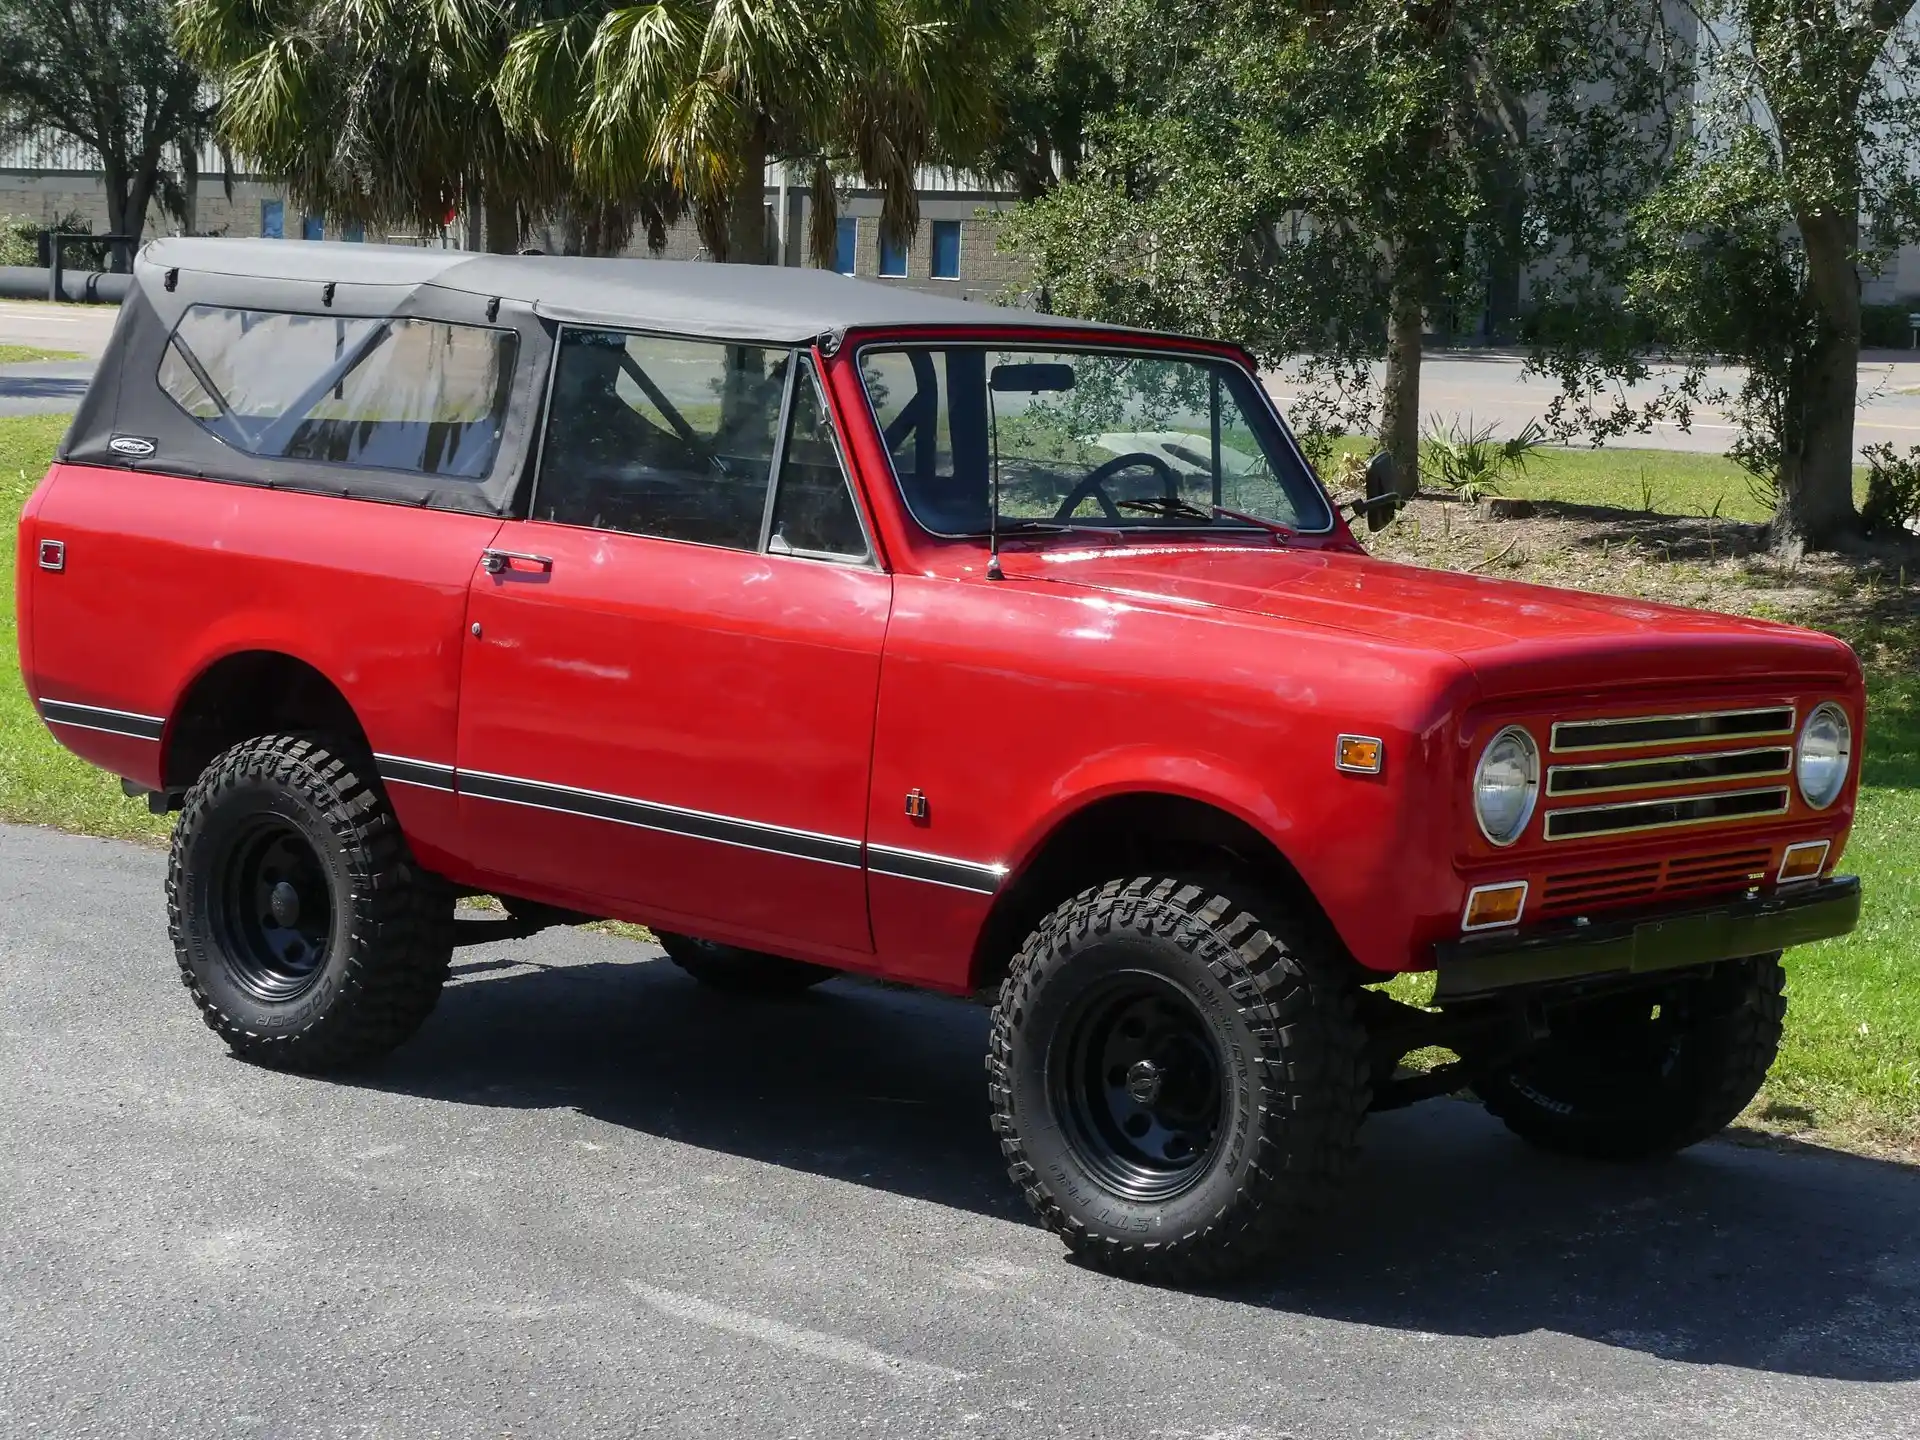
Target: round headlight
{"points": [[1505, 783], [1825, 751]]}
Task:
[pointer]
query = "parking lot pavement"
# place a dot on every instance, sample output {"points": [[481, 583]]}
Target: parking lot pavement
{"points": [[591, 1199]]}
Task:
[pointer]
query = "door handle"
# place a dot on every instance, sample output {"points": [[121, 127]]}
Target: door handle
{"points": [[498, 562]]}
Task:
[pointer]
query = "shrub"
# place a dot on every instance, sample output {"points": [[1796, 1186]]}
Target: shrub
{"points": [[1893, 491], [19, 241], [1470, 461], [1884, 327]]}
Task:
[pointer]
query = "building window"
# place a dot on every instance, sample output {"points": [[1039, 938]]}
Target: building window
{"points": [[946, 249], [273, 219], [846, 237], [893, 258], [312, 227]]}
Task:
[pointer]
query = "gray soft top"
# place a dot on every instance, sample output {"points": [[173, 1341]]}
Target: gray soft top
{"points": [[129, 421], [783, 305]]}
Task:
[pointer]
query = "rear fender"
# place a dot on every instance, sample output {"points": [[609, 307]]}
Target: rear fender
{"points": [[26, 571]]}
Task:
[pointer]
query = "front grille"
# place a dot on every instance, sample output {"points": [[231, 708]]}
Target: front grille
{"points": [[1586, 821], [1576, 892], [1671, 729], [1668, 770]]}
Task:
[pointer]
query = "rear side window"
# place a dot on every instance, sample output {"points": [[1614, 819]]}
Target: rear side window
{"points": [[661, 437], [413, 395]]}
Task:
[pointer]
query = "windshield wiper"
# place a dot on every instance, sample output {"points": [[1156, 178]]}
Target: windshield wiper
{"points": [[1171, 507], [1020, 526]]}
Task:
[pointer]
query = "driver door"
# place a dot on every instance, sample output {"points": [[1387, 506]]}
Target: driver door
{"points": [[668, 694]]}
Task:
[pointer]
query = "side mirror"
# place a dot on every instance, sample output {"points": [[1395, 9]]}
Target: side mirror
{"points": [[1383, 500]]}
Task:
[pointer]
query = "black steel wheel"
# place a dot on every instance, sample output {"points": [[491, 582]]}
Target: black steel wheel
{"points": [[274, 908], [304, 930], [1136, 1073], [1178, 1076]]}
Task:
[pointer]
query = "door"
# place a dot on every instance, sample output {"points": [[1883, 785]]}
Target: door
{"points": [[670, 674]]}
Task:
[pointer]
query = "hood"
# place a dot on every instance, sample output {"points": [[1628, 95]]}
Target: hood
{"points": [[1513, 636]]}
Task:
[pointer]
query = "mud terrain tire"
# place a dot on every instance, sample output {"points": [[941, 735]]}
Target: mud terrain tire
{"points": [[304, 930], [1619, 1082], [741, 972], [1098, 1074]]}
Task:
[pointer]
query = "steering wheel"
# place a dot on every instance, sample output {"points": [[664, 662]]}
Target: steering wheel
{"points": [[1093, 483]]}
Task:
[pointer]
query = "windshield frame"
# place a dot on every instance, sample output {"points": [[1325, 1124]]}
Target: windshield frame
{"points": [[1069, 342]]}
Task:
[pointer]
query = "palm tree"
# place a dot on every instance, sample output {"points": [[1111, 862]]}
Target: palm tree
{"points": [[701, 94], [383, 111]]}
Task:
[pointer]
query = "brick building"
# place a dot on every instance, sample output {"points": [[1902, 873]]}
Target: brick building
{"points": [[47, 180]]}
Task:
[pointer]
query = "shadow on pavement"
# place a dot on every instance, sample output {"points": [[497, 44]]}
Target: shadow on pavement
{"points": [[1799, 1264], [18, 390]]}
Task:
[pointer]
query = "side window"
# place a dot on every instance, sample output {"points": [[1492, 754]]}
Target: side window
{"points": [[660, 437], [813, 509], [414, 395]]}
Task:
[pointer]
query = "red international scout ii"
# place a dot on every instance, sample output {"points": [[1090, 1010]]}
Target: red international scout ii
{"points": [[829, 627]]}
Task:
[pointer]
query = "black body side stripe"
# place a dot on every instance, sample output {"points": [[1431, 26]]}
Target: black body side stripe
{"points": [[696, 824], [935, 869], [802, 844], [399, 770], [110, 722]]}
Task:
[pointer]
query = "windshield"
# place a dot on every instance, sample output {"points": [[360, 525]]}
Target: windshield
{"points": [[1093, 438]]}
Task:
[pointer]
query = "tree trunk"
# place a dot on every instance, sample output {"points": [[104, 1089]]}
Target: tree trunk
{"points": [[1400, 390], [113, 179], [500, 221], [1816, 463], [746, 218]]}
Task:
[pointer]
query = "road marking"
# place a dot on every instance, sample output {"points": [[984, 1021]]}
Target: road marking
{"points": [[817, 1343]]}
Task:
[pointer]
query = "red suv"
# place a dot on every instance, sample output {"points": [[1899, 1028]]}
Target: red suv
{"points": [[829, 627]]}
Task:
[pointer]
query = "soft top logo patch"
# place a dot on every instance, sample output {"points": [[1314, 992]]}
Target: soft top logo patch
{"points": [[137, 446]]}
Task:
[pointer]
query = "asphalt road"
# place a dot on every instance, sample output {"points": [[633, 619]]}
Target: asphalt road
{"points": [[1486, 386], [81, 329], [44, 387], [591, 1199]]}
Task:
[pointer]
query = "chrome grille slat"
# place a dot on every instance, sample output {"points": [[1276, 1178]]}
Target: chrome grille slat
{"points": [[1667, 771], [1634, 732], [1589, 822]]}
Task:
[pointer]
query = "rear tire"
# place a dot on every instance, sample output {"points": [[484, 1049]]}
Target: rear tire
{"points": [[304, 930], [1615, 1081], [1177, 1078], [741, 972]]}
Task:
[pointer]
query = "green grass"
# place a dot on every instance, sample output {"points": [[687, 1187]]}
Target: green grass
{"points": [[1665, 482], [20, 354], [1851, 1060], [1850, 1068], [41, 782]]}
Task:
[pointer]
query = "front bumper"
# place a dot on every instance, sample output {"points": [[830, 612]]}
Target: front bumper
{"points": [[1637, 944]]}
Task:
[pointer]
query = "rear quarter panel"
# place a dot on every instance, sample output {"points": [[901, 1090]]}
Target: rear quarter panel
{"points": [[167, 575], [26, 566]]}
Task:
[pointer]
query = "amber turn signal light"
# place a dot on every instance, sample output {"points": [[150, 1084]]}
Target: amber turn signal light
{"points": [[1491, 906], [1360, 754], [1804, 861]]}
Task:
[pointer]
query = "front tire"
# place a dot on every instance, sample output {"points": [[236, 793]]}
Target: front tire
{"points": [[741, 972], [304, 930], [1648, 1073], [1177, 1079]]}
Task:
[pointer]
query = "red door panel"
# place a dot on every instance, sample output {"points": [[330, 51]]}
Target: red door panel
{"points": [[674, 730]]}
